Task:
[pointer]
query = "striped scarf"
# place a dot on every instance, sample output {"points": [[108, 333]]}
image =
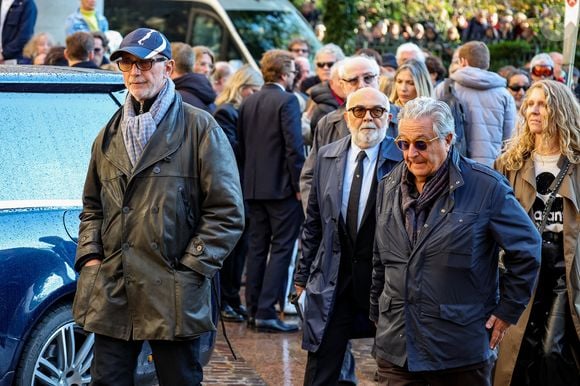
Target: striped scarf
{"points": [[137, 129]]}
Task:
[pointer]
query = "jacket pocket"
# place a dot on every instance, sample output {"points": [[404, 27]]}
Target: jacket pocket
{"points": [[459, 240], [462, 314], [385, 303], [192, 304], [85, 286]]}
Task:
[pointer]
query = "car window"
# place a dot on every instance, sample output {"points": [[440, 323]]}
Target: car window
{"points": [[265, 30], [45, 143]]}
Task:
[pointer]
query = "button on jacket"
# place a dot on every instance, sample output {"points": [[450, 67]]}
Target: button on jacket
{"points": [[431, 300], [162, 231]]}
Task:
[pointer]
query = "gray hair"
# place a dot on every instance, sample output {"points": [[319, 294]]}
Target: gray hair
{"points": [[359, 59], [542, 58], [330, 49], [410, 47], [438, 111], [335, 70]]}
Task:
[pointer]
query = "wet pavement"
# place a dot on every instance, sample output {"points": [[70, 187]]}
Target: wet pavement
{"points": [[271, 359]]}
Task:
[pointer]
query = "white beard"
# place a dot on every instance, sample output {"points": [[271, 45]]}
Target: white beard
{"points": [[369, 138]]}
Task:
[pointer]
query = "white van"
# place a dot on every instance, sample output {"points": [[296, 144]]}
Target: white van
{"points": [[235, 30]]}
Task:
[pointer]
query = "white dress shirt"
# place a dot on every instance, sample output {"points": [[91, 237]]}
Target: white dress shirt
{"points": [[369, 166]]}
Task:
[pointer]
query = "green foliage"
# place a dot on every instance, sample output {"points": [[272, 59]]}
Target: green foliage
{"points": [[515, 53], [340, 21]]}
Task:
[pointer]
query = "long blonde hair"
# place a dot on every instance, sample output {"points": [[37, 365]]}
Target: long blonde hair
{"points": [[421, 79], [232, 93], [563, 122], [29, 50]]}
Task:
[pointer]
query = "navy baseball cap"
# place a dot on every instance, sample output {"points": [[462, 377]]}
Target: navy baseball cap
{"points": [[144, 43]]}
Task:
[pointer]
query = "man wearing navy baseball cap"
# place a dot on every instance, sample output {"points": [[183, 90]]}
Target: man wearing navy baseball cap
{"points": [[162, 208]]}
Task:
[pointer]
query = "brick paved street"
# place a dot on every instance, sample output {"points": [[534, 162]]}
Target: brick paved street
{"points": [[271, 359]]}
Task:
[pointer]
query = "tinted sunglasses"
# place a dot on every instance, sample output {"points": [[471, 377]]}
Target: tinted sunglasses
{"points": [[324, 64], [360, 112], [419, 144], [542, 70], [517, 88], [126, 65], [367, 79]]}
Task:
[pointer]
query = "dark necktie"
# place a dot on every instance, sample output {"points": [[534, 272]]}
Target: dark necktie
{"points": [[354, 196]]}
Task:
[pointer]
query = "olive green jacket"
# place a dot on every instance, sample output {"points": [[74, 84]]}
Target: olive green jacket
{"points": [[161, 230]]}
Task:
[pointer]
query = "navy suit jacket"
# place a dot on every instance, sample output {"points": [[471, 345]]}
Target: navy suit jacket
{"points": [[18, 28], [270, 144]]}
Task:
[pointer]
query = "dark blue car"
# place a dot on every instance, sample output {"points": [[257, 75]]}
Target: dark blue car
{"points": [[49, 118]]}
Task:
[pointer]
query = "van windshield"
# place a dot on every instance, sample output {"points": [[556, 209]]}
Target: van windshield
{"points": [[265, 30]]}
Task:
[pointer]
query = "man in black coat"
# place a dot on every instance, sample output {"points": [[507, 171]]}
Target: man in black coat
{"points": [[336, 264], [272, 155]]}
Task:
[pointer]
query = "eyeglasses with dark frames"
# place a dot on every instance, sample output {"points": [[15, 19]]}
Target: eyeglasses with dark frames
{"points": [[126, 65], [367, 79], [361, 112], [324, 64], [543, 71], [300, 50], [419, 144], [517, 88]]}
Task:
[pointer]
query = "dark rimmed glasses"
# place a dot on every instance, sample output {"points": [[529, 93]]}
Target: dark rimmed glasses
{"points": [[360, 111], [420, 144], [300, 50], [324, 64], [367, 79], [542, 70], [126, 65], [517, 88]]}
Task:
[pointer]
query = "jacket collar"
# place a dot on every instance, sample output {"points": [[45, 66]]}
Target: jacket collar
{"points": [[165, 140]]}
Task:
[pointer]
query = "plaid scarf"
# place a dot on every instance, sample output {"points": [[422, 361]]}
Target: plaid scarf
{"points": [[137, 129], [416, 207]]}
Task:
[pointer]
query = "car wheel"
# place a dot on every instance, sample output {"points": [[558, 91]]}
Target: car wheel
{"points": [[58, 352]]}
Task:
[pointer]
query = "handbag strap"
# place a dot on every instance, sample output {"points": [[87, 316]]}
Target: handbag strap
{"points": [[553, 193]]}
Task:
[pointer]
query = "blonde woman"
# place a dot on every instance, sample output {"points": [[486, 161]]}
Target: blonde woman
{"points": [[412, 80], [34, 52], [543, 348], [241, 84]]}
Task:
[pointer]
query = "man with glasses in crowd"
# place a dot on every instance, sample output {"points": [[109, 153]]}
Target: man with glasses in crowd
{"points": [[323, 60], [435, 298], [355, 73], [337, 244], [542, 67], [162, 209], [299, 48]]}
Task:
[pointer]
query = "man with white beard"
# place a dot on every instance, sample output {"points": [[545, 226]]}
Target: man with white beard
{"points": [[337, 244]]}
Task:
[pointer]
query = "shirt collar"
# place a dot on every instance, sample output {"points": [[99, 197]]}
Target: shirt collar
{"points": [[372, 152]]}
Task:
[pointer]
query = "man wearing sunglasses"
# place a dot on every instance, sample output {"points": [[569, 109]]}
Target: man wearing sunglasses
{"points": [[335, 268], [441, 219], [541, 67], [162, 209], [325, 57], [355, 73]]}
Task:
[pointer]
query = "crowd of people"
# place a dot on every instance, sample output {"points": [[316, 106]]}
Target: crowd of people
{"points": [[437, 213]]}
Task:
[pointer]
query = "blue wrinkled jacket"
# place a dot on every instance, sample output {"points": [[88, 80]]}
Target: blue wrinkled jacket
{"points": [[431, 300], [75, 22]]}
